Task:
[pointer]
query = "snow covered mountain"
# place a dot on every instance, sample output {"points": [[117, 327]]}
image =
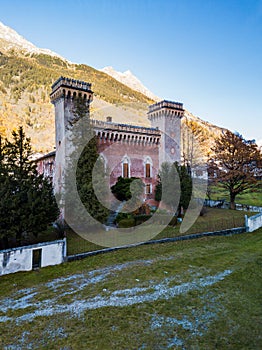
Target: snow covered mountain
{"points": [[12, 40], [130, 80]]}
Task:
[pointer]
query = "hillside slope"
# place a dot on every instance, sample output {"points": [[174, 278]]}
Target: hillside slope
{"points": [[25, 85], [26, 76]]}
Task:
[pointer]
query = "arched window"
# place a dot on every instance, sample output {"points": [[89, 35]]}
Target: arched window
{"points": [[148, 167], [148, 170], [125, 167]]}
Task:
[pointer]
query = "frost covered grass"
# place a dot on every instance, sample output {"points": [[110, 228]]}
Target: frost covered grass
{"points": [[203, 294]]}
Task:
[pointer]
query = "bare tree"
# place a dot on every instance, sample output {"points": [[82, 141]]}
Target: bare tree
{"points": [[235, 164]]}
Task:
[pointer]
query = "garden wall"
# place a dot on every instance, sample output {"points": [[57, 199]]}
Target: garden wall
{"points": [[253, 222], [33, 256], [226, 205]]}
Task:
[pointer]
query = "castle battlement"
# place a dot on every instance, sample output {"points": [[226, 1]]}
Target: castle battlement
{"points": [[71, 83], [178, 106], [98, 124], [71, 88], [108, 131]]}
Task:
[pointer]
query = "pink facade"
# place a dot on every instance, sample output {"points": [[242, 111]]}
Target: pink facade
{"points": [[46, 164], [130, 158]]}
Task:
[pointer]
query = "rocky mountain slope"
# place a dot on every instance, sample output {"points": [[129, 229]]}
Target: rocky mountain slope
{"points": [[129, 79], [26, 76]]}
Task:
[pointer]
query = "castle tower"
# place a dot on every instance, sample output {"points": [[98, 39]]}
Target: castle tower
{"points": [[166, 116], [65, 94]]}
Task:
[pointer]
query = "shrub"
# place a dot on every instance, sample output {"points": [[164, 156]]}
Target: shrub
{"points": [[173, 221], [125, 223], [139, 219], [122, 216], [203, 211]]}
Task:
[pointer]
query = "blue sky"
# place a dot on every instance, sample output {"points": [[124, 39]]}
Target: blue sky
{"points": [[206, 54]]}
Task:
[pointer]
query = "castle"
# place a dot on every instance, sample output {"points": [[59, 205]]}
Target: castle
{"points": [[127, 150]]}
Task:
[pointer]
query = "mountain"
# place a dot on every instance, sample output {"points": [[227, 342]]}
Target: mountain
{"points": [[10, 39], [26, 76], [130, 80]]}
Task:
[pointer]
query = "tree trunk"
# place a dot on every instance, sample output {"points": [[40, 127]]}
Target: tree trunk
{"points": [[5, 242], [232, 201]]}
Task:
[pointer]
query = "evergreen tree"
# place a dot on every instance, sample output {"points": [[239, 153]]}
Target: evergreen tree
{"points": [[5, 199], [27, 203], [185, 185], [174, 180], [122, 190], [83, 168], [86, 180]]}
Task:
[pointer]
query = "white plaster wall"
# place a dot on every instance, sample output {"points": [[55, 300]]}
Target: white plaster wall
{"points": [[20, 259], [254, 222], [52, 254], [15, 260]]}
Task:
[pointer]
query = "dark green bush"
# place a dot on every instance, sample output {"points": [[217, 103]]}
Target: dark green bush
{"points": [[125, 223], [122, 216], [173, 221], [139, 219]]}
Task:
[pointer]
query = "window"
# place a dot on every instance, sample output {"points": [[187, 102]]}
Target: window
{"points": [[126, 166], [148, 188], [148, 173], [148, 167], [125, 170]]}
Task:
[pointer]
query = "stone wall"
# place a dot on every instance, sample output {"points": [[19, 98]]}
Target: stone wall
{"points": [[229, 232], [220, 203], [21, 259]]}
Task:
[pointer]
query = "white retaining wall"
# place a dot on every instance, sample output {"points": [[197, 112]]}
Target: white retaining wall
{"points": [[21, 259], [253, 222], [226, 205]]}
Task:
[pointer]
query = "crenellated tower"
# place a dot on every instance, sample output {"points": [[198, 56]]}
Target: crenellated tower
{"points": [[166, 116], [65, 91], [65, 95]]}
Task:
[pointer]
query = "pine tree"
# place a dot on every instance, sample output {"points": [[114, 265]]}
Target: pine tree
{"points": [[174, 182], [5, 199], [27, 203]]}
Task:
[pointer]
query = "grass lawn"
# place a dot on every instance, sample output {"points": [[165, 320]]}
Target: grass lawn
{"points": [[200, 294], [213, 220], [251, 198]]}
